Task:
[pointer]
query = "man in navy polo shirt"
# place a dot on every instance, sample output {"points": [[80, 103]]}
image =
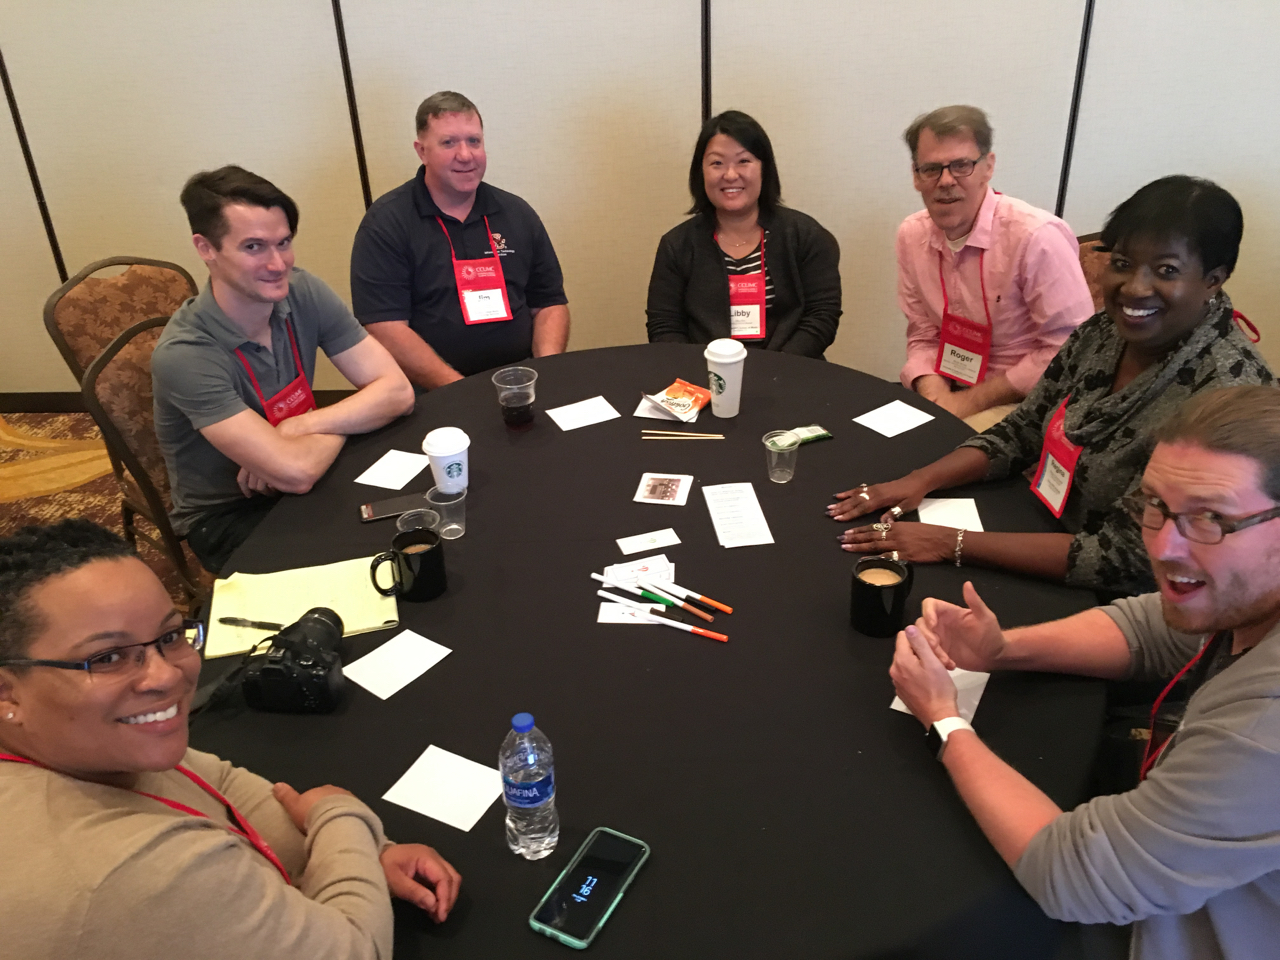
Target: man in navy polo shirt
{"points": [[452, 275]]}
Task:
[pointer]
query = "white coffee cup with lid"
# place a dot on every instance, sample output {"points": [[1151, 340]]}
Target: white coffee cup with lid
{"points": [[725, 358], [446, 448]]}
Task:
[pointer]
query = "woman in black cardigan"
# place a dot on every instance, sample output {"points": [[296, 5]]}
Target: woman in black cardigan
{"points": [[793, 303]]}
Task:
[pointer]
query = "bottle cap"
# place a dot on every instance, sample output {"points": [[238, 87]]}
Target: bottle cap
{"points": [[522, 722]]}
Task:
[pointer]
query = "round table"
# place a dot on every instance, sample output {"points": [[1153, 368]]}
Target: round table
{"points": [[790, 812]]}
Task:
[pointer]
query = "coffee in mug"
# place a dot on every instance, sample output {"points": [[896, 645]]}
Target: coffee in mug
{"points": [[878, 596], [417, 566], [879, 576]]}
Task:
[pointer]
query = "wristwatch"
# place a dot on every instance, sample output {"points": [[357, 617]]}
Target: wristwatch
{"points": [[937, 735]]}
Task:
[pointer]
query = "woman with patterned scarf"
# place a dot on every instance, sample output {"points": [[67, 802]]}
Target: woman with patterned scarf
{"points": [[1083, 433]]}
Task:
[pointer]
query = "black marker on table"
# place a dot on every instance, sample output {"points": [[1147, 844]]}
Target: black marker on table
{"points": [[252, 624]]}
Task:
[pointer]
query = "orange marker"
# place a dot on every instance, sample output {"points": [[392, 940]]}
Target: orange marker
{"points": [[680, 591], [688, 629]]}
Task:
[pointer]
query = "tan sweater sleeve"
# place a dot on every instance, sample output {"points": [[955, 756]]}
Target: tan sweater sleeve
{"points": [[205, 893]]}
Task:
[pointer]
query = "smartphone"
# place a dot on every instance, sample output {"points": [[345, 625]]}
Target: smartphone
{"points": [[583, 896], [392, 508]]}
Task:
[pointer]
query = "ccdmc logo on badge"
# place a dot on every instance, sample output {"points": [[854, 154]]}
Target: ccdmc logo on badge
{"points": [[468, 272], [453, 470], [717, 383]]}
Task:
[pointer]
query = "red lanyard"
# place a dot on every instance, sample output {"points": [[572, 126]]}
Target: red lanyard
{"points": [[747, 300], [1152, 753], [982, 281], [294, 398], [1242, 322], [482, 286], [964, 347], [245, 829]]}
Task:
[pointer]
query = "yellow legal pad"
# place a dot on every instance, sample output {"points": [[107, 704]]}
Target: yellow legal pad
{"points": [[285, 596]]}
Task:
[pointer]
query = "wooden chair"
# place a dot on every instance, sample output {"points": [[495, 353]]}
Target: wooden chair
{"points": [[86, 313], [1093, 261], [117, 392]]}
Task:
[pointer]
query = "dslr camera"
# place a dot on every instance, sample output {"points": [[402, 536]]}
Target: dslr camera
{"points": [[302, 670]]}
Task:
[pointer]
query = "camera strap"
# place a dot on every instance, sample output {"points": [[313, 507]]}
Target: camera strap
{"points": [[243, 828]]}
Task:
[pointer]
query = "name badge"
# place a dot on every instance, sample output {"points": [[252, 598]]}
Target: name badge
{"points": [[1057, 463], [481, 305], [744, 320], [963, 349]]}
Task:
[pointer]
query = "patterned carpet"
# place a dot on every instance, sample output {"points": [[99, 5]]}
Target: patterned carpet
{"points": [[54, 465]]}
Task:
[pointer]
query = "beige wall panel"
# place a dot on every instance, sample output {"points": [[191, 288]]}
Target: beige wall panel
{"points": [[590, 112], [836, 82], [1187, 87], [29, 360], [123, 103]]}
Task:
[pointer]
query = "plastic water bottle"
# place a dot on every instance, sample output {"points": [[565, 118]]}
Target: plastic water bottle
{"points": [[529, 789]]}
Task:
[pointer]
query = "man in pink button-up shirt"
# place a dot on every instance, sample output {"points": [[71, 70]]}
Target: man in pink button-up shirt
{"points": [[968, 236]]}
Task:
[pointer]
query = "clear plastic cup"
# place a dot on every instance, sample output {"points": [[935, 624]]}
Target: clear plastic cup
{"points": [[517, 387], [452, 508], [780, 449], [418, 520]]}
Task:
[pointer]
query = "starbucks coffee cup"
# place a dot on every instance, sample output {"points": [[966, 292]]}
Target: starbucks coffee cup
{"points": [[724, 374], [446, 448]]}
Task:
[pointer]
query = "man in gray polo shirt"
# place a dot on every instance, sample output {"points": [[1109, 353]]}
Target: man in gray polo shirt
{"points": [[1191, 856], [232, 372]]}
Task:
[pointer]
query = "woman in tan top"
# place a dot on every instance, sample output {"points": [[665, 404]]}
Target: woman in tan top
{"points": [[121, 842]]}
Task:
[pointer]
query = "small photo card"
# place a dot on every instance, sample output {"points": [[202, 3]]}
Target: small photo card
{"points": [[671, 489]]}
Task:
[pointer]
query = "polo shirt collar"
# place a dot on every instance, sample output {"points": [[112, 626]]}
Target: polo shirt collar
{"points": [[486, 204], [219, 326], [980, 235]]}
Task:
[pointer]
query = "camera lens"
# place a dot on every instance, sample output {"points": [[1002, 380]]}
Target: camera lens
{"points": [[323, 627]]}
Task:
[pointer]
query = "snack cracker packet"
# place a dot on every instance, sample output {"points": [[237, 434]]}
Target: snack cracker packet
{"points": [[681, 400]]}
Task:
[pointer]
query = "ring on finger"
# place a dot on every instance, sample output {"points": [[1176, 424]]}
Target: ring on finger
{"points": [[896, 511]]}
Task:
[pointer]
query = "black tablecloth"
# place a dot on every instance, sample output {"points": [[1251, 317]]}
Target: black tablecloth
{"points": [[790, 812]]}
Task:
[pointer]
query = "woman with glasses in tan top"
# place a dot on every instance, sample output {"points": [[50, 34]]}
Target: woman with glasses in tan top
{"points": [[121, 841]]}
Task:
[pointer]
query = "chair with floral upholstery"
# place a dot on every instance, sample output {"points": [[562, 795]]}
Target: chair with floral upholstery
{"points": [[1093, 261], [117, 392], [86, 313]]}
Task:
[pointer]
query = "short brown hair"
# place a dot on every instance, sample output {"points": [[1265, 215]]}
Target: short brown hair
{"points": [[947, 122], [438, 104], [1243, 420], [207, 194]]}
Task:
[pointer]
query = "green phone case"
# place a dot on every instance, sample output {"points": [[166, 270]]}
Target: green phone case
{"points": [[574, 941]]}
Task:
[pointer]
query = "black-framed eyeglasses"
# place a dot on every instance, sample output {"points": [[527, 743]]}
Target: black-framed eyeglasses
{"points": [[959, 168], [1152, 513], [175, 645]]}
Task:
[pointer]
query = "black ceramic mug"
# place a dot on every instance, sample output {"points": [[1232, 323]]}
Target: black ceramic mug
{"points": [[417, 559], [878, 597]]}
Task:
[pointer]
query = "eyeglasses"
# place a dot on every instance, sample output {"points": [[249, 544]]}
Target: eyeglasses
{"points": [[1151, 513], [959, 168], [176, 645]]}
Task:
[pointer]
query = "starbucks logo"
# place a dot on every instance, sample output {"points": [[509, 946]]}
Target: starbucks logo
{"points": [[717, 383], [453, 470]]}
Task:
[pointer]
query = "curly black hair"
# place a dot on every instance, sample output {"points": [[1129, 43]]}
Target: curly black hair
{"points": [[33, 555]]}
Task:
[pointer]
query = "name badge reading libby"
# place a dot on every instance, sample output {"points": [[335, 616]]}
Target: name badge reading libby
{"points": [[744, 320]]}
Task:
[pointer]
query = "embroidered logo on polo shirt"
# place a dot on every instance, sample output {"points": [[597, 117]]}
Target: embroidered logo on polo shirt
{"points": [[499, 241]]}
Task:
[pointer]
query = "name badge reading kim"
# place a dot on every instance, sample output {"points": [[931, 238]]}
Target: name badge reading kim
{"points": [[481, 305]]}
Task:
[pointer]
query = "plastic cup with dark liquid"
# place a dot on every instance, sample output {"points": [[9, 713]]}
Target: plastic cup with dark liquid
{"points": [[516, 392]]}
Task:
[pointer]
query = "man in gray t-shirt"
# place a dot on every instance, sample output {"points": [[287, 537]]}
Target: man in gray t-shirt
{"points": [[232, 372], [1191, 856]]}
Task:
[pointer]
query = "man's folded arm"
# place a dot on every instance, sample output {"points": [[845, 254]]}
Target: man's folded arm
{"points": [[289, 464], [382, 393]]}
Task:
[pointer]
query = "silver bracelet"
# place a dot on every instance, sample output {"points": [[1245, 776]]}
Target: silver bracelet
{"points": [[959, 545]]}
